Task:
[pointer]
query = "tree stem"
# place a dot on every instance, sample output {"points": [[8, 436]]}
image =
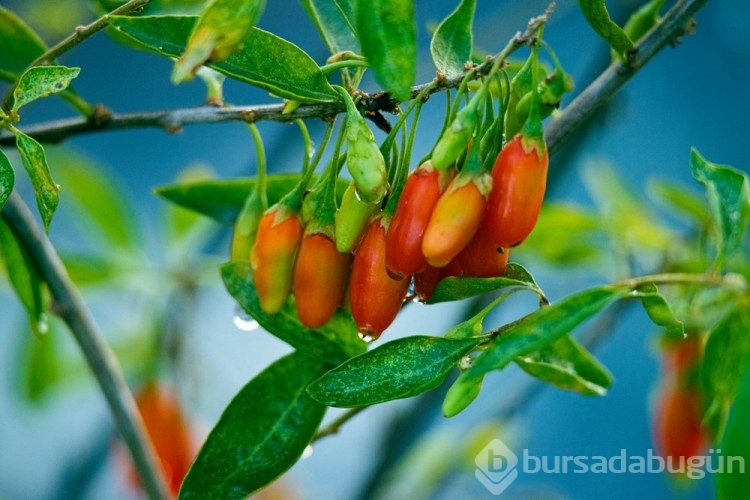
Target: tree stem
{"points": [[100, 358]]}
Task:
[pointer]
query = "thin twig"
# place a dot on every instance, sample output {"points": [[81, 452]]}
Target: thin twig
{"points": [[102, 361], [335, 426], [174, 120], [675, 23], [79, 35]]}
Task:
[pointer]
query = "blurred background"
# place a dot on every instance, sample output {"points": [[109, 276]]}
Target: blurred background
{"points": [[156, 292]]}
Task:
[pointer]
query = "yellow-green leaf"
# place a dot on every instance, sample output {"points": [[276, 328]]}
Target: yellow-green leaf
{"points": [[35, 162], [41, 81]]}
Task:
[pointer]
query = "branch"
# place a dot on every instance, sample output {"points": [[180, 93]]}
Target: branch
{"points": [[102, 361], [79, 35], [335, 426], [675, 23], [174, 120]]}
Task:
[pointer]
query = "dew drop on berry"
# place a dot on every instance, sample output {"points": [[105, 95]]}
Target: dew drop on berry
{"points": [[366, 336]]}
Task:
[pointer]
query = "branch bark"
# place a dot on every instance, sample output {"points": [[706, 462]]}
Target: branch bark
{"points": [[99, 356]]}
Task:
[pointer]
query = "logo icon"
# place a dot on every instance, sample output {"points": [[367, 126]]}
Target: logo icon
{"points": [[496, 466]]}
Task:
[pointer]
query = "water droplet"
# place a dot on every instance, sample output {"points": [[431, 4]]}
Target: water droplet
{"points": [[307, 452], [366, 336], [42, 324], [243, 320], [465, 363]]}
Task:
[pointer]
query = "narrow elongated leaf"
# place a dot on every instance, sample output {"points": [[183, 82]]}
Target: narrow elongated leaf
{"points": [[222, 200], [568, 365], [220, 31], [457, 288], [452, 41], [7, 179], [658, 309], [461, 394], [333, 24], [40, 366], [542, 327], [35, 162], [336, 341], [262, 432], [103, 205], [726, 354], [728, 193], [388, 34], [266, 61], [735, 445], [20, 45], [595, 12], [24, 278], [680, 199], [398, 369], [41, 81]]}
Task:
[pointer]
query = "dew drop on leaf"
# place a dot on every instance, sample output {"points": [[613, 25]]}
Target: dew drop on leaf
{"points": [[307, 452], [243, 320], [42, 324]]}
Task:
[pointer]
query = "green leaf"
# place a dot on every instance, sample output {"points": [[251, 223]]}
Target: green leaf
{"points": [[566, 235], [457, 288], [736, 443], [658, 310], [336, 341], [388, 34], [568, 365], [219, 32], [726, 354], [452, 41], [460, 395], [222, 200], [595, 12], [87, 269], [266, 61], [261, 434], [398, 369], [41, 81], [24, 278], [40, 365], [542, 327], [20, 45], [7, 179], [35, 162], [728, 193], [102, 205], [333, 20], [680, 199]]}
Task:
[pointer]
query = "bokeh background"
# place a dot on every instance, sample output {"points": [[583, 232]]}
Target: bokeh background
{"points": [[60, 444]]}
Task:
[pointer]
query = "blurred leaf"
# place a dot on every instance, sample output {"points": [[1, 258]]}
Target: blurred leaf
{"points": [[460, 395], [102, 203], [20, 45], [452, 41], [222, 199], [266, 61], [736, 443], [725, 357], [336, 341], [388, 34], [219, 33], [457, 288], [185, 226], [7, 179], [90, 269], [155, 7], [24, 278], [625, 215], [595, 12], [658, 310], [41, 81], [334, 22], [398, 369], [682, 200], [728, 193], [542, 327], [566, 235], [41, 370], [45, 189], [261, 434], [568, 365]]}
